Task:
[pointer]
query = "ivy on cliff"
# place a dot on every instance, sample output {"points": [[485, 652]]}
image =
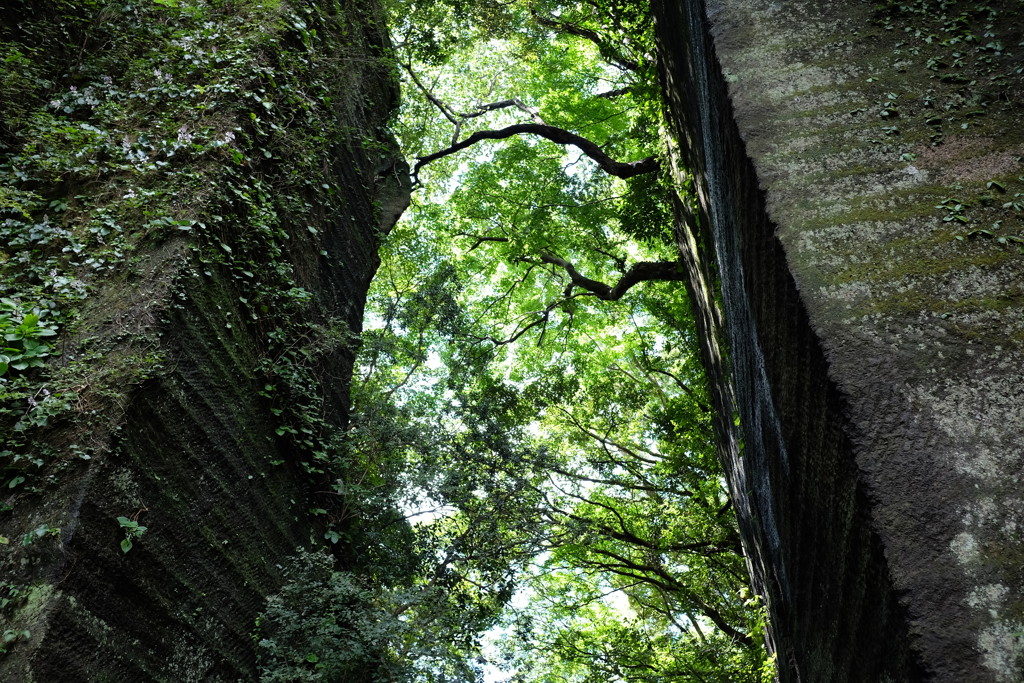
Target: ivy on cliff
{"points": [[191, 130], [176, 130]]}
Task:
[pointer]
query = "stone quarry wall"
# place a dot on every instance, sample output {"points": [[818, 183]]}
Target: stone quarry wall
{"points": [[179, 377], [860, 177]]}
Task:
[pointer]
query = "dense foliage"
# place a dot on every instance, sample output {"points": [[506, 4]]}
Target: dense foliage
{"points": [[529, 406]]}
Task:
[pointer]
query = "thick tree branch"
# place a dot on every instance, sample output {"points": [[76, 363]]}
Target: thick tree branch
{"points": [[639, 272], [620, 169]]}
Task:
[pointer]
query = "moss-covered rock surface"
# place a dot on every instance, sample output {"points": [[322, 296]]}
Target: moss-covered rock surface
{"points": [[192, 192]]}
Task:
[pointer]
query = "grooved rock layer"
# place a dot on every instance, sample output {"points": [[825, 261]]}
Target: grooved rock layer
{"points": [[189, 446], [860, 170]]}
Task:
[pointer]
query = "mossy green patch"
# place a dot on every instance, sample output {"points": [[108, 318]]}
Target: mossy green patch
{"points": [[175, 184]]}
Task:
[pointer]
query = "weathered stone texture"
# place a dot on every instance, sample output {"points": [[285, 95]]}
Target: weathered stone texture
{"points": [[190, 444], [875, 346]]}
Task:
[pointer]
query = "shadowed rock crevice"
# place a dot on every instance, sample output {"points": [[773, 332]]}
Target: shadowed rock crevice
{"points": [[804, 510]]}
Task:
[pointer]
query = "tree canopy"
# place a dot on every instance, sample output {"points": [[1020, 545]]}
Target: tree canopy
{"points": [[532, 476]]}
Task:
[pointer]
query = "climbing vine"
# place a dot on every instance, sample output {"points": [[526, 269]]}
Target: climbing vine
{"points": [[181, 133]]}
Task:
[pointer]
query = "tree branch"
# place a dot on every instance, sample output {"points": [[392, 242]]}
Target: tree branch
{"points": [[619, 483], [543, 318], [661, 577], [480, 239], [448, 113], [482, 109], [612, 94], [639, 272], [620, 169], [617, 60], [682, 385], [605, 441]]}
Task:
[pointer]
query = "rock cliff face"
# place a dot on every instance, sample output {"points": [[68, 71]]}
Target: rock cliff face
{"points": [[860, 177], [232, 304]]}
